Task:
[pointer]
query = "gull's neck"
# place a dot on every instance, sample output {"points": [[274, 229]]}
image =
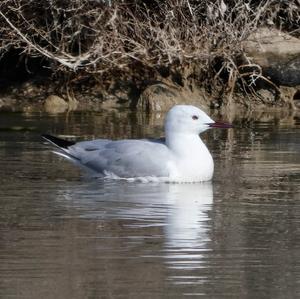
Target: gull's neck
{"points": [[183, 144], [192, 160]]}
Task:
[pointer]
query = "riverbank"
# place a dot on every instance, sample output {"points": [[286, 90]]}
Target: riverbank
{"points": [[90, 54]]}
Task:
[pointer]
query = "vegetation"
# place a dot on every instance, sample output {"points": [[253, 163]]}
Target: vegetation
{"points": [[173, 41]]}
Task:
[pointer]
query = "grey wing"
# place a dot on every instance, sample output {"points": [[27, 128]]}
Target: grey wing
{"points": [[124, 158]]}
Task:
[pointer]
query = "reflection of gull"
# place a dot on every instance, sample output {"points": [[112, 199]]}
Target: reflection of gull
{"points": [[180, 208], [187, 230], [145, 228], [186, 221]]}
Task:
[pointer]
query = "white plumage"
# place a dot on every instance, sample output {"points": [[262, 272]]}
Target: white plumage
{"points": [[180, 157]]}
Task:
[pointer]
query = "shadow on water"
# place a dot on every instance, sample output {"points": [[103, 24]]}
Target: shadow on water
{"points": [[65, 235]]}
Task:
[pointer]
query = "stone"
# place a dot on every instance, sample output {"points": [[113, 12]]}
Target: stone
{"points": [[278, 54], [55, 104], [161, 97], [7, 103], [289, 95], [268, 96]]}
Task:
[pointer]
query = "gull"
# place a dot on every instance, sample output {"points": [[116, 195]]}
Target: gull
{"points": [[179, 157]]}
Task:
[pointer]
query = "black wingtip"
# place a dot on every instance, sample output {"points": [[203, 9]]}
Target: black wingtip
{"points": [[58, 141]]}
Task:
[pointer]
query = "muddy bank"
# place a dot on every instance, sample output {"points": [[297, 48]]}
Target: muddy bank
{"points": [[157, 97], [31, 96]]}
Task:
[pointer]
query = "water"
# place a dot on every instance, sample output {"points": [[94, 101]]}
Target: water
{"points": [[64, 235]]}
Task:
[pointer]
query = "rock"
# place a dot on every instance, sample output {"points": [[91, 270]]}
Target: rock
{"points": [[55, 104], [161, 97], [297, 99], [268, 96], [158, 97], [289, 95], [277, 53], [7, 103]]}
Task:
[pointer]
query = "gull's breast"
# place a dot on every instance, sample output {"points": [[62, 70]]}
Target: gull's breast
{"points": [[192, 170]]}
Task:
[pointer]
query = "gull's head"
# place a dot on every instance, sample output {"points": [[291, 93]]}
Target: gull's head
{"points": [[189, 119]]}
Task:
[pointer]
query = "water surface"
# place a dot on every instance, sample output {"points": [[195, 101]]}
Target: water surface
{"points": [[65, 235]]}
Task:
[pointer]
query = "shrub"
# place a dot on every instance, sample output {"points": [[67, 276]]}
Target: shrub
{"points": [[174, 40]]}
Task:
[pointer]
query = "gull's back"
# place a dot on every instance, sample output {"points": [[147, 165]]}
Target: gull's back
{"points": [[123, 158]]}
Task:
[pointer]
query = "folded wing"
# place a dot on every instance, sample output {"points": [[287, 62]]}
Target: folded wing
{"points": [[124, 158]]}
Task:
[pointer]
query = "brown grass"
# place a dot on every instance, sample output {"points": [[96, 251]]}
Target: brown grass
{"points": [[173, 40]]}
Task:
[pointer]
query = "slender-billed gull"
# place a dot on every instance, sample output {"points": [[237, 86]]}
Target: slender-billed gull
{"points": [[179, 157]]}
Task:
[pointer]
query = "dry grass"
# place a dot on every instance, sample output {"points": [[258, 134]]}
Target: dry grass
{"points": [[173, 40]]}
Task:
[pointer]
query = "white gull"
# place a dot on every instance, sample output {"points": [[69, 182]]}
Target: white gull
{"points": [[179, 157]]}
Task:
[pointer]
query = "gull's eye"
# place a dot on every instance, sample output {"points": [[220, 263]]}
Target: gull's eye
{"points": [[195, 117]]}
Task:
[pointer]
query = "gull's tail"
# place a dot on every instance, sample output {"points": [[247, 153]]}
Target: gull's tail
{"points": [[64, 151], [62, 144]]}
